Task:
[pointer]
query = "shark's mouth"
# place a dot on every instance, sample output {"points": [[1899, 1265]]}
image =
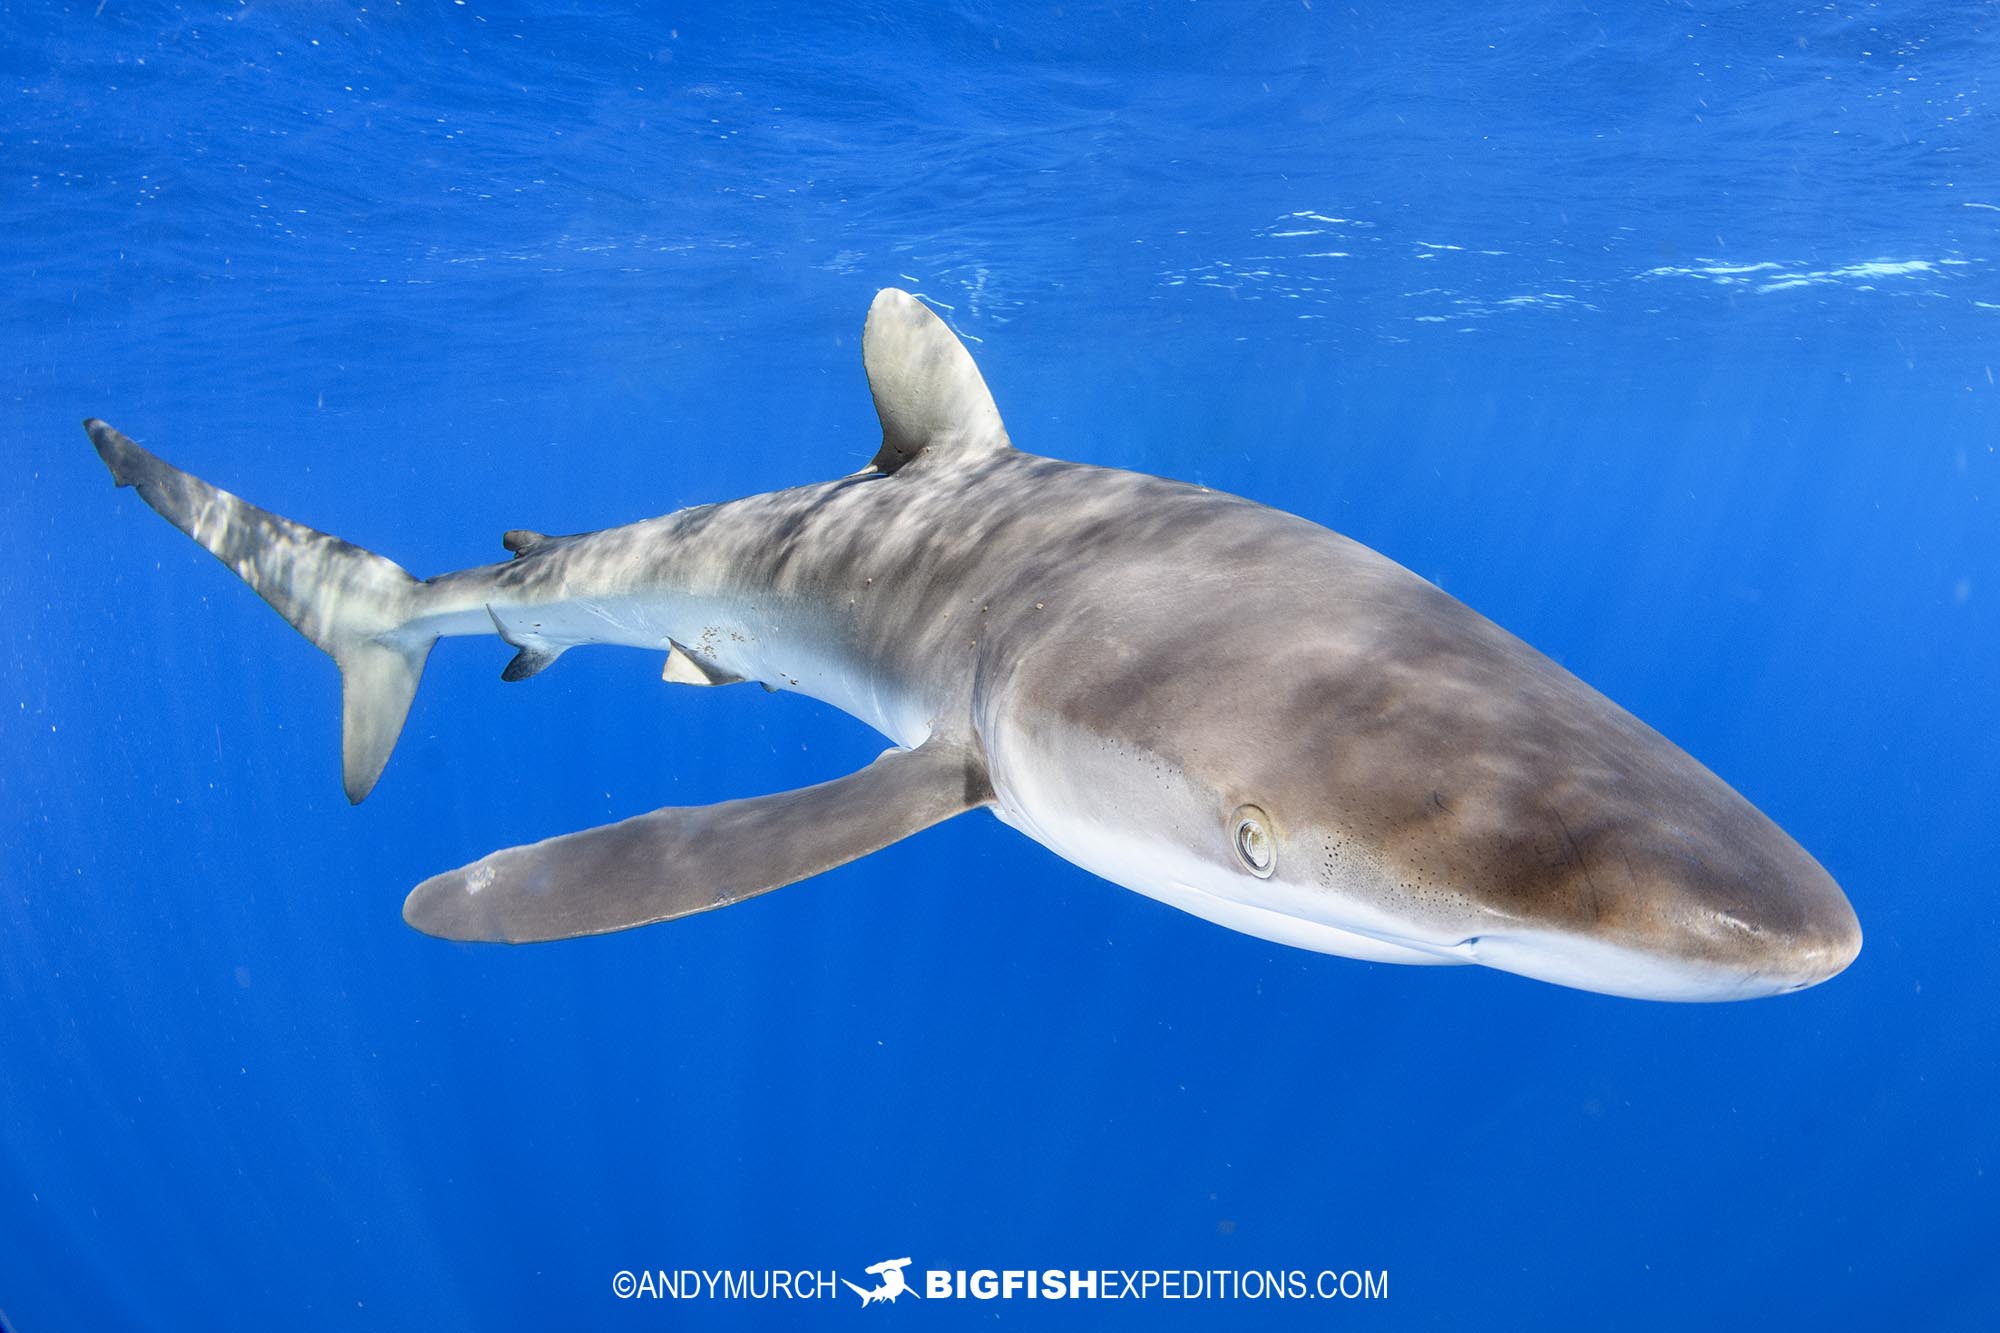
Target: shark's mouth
{"points": [[1564, 960], [1616, 969]]}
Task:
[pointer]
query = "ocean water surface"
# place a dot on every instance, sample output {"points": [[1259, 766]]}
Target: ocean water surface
{"points": [[1664, 334]]}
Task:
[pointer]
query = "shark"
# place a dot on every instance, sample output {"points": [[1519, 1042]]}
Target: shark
{"points": [[1226, 707]]}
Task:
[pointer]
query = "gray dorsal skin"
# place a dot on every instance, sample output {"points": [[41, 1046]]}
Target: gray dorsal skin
{"points": [[1214, 703]]}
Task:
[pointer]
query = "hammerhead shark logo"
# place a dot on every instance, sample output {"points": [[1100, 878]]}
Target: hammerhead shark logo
{"points": [[893, 1285]]}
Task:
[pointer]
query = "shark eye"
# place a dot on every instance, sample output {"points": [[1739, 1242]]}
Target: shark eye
{"points": [[1255, 847]]}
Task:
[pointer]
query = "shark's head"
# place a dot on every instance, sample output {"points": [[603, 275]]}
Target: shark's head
{"points": [[1628, 869], [1379, 772]]}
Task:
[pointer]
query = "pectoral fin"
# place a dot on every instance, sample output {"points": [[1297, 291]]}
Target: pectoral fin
{"points": [[679, 861]]}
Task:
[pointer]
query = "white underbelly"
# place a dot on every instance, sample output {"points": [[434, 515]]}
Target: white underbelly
{"points": [[737, 639]]}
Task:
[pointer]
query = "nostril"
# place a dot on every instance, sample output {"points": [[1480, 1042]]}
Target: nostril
{"points": [[1738, 924]]}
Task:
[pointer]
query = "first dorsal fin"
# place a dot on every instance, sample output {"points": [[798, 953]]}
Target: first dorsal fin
{"points": [[927, 391]]}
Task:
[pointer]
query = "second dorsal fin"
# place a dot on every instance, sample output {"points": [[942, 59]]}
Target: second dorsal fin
{"points": [[525, 541], [927, 391]]}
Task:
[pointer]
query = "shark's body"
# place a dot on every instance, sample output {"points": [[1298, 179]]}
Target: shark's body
{"points": [[1212, 702]]}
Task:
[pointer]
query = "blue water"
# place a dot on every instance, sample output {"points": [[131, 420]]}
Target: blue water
{"points": [[1665, 335]]}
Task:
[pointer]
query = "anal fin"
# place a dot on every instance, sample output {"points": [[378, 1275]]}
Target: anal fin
{"points": [[530, 661], [682, 860], [535, 652]]}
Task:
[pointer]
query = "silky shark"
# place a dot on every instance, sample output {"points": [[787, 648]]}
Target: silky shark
{"points": [[1215, 703]]}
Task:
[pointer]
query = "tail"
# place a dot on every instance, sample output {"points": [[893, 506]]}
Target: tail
{"points": [[355, 605]]}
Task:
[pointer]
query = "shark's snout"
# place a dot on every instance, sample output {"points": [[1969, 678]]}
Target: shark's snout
{"points": [[1651, 913], [1782, 935]]}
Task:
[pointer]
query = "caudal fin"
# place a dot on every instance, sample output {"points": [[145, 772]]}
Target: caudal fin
{"points": [[353, 604]]}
